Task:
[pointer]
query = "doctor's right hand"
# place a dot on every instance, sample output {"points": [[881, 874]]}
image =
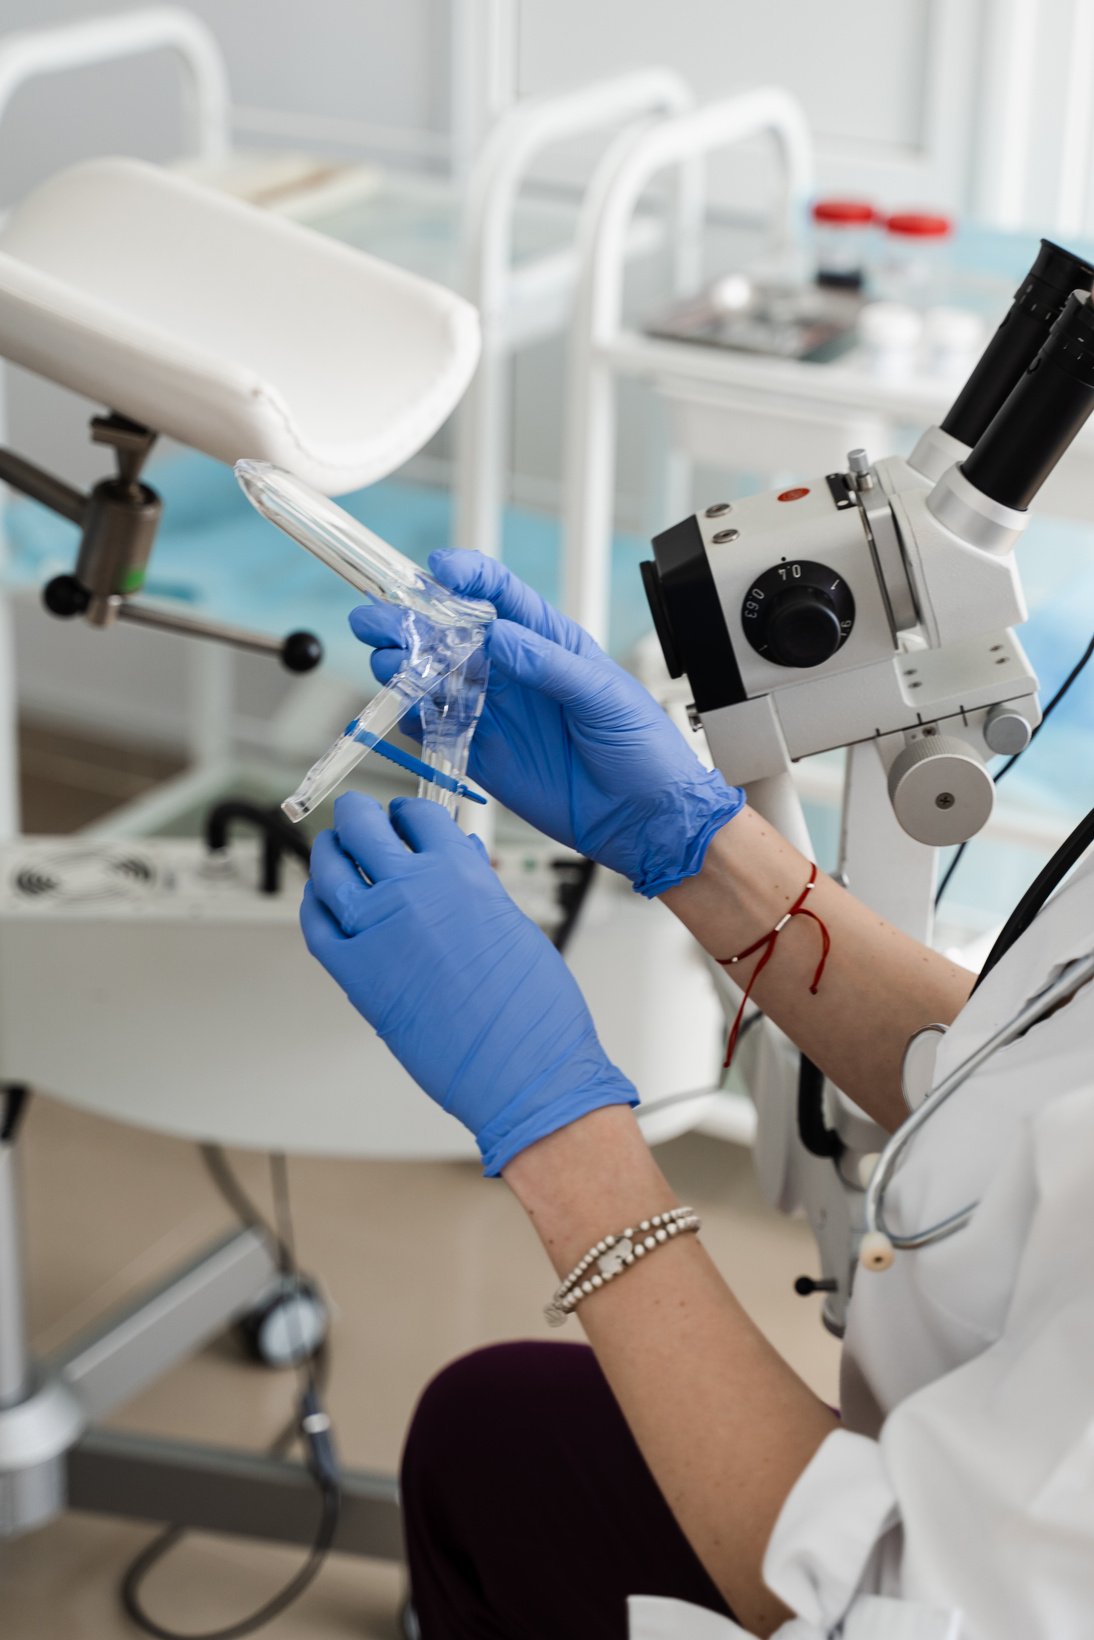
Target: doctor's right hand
{"points": [[569, 740]]}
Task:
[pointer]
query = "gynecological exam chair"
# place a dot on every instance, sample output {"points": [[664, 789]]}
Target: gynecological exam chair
{"points": [[152, 980]]}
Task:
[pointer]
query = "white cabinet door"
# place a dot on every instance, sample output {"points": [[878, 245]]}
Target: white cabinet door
{"points": [[1035, 143]]}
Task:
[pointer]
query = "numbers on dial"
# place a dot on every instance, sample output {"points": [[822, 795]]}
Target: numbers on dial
{"points": [[798, 613]]}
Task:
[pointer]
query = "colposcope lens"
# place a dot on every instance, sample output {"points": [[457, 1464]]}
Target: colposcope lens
{"points": [[1042, 415], [1038, 303]]}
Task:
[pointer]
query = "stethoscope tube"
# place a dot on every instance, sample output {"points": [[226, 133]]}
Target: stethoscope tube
{"points": [[879, 1243]]}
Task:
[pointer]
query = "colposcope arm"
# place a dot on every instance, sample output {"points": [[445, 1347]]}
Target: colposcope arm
{"points": [[298, 652]]}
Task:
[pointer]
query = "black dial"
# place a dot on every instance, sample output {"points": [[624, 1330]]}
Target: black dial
{"points": [[798, 613]]}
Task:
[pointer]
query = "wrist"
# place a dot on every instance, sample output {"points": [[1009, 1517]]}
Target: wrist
{"points": [[586, 1180], [511, 1133], [749, 876], [676, 851]]}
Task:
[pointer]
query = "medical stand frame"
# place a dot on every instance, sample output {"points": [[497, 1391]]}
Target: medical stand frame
{"points": [[520, 305], [50, 1452]]}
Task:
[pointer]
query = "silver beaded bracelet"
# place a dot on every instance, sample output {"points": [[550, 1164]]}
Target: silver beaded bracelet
{"points": [[610, 1257]]}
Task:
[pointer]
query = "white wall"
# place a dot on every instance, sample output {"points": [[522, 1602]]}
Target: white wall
{"points": [[958, 102], [890, 90], [376, 70]]}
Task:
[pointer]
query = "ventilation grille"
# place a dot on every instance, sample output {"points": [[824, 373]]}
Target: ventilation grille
{"points": [[76, 876]]}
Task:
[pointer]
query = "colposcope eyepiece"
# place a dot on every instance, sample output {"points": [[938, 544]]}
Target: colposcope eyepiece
{"points": [[1043, 414], [1038, 302]]}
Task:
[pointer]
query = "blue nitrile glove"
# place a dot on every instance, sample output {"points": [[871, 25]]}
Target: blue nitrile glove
{"points": [[569, 740], [467, 992]]}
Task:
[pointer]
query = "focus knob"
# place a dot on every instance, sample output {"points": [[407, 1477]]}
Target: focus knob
{"points": [[940, 791], [798, 614], [802, 629]]}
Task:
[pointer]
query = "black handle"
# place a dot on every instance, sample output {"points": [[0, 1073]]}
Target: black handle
{"points": [[279, 837]]}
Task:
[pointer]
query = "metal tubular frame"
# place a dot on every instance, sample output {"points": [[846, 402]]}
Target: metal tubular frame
{"points": [[51, 1453], [679, 144], [518, 140]]}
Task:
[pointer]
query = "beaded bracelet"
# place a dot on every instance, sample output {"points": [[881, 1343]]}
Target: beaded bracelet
{"points": [[615, 1254]]}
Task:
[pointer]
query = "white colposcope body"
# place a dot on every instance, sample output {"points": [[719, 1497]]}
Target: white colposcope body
{"points": [[872, 609]]}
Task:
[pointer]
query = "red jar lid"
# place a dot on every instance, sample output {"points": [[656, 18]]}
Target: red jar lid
{"points": [[920, 225], [844, 212]]}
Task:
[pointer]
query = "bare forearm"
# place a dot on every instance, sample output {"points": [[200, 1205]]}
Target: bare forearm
{"points": [[878, 985], [724, 1424]]}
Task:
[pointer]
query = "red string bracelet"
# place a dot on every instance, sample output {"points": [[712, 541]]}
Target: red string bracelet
{"points": [[766, 944]]}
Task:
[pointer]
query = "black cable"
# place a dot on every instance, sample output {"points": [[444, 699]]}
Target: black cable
{"points": [[14, 1104], [309, 1424], [224, 1177], [139, 1569], [1011, 761], [1048, 878], [573, 891], [813, 1131], [279, 836]]}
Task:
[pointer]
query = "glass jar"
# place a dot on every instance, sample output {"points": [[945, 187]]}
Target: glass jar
{"points": [[913, 264], [843, 230]]}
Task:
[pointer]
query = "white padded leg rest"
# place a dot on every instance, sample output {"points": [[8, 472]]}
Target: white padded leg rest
{"points": [[228, 328]]}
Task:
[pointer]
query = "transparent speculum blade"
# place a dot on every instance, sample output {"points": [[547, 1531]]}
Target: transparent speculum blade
{"points": [[445, 671]]}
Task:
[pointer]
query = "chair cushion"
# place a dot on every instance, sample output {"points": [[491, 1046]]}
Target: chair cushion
{"points": [[228, 328]]}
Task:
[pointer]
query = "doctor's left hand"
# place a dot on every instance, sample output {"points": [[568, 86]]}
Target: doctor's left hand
{"points": [[408, 916]]}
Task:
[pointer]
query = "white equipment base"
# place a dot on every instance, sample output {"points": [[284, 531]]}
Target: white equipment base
{"points": [[151, 983], [227, 327]]}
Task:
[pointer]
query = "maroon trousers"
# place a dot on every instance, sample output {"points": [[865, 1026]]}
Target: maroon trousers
{"points": [[530, 1513]]}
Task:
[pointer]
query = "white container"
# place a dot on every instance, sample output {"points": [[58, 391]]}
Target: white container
{"points": [[890, 334], [953, 339], [913, 263]]}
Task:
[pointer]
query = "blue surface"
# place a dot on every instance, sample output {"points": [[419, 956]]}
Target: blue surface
{"points": [[215, 555]]}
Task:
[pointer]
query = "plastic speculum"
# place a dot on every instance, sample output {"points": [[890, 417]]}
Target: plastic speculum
{"points": [[445, 672]]}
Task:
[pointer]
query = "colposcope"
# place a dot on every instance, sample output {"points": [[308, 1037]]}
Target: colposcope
{"points": [[873, 608]]}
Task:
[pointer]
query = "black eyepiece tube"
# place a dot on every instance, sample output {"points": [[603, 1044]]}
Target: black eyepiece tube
{"points": [[1037, 305], [1036, 425]]}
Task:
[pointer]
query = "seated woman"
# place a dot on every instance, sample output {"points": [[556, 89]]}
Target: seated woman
{"points": [[679, 1467]]}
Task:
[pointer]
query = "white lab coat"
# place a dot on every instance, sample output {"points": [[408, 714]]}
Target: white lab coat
{"points": [[957, 1500]]}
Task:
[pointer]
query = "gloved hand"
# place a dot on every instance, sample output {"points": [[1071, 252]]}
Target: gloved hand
{"points": [[570, 741], [467, 992]]}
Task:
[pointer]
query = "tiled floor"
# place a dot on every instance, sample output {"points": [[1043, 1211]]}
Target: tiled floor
{"points": [[423, 1261]]}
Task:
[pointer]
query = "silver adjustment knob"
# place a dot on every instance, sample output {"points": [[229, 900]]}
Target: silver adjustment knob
{"points": [[858, 465], [940, 791], [1006, 731]]}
